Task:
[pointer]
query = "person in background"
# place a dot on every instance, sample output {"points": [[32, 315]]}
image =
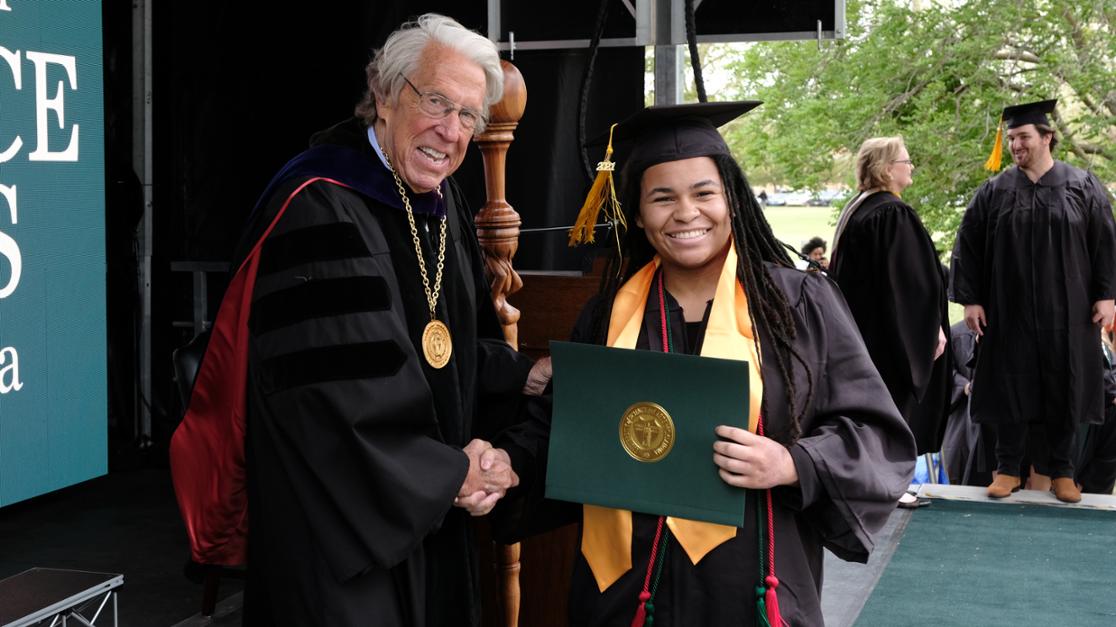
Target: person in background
{"points": [[886, 265], [814, 250], [1032, 264], [1096, 461], [968, 449]]}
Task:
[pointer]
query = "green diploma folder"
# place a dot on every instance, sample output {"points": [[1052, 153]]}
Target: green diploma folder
{"points": [[633, 429]]}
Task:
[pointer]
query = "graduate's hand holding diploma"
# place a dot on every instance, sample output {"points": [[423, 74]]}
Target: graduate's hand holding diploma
{"points": [[489, 478], [747, 460]]}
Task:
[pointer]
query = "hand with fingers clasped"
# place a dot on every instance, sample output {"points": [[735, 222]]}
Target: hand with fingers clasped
{"points": [[747, 460], [490, 476]]}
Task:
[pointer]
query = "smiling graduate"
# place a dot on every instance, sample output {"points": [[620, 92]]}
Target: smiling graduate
{"points": [[825, 454]]}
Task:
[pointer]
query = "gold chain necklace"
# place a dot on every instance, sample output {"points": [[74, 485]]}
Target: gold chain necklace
{"points": [[436, 342]]}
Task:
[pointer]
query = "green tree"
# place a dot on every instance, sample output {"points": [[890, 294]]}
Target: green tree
{"points": [[938, 73]]}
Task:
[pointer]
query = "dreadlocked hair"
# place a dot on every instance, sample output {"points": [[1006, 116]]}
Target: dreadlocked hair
{"points": [[755, 246]]}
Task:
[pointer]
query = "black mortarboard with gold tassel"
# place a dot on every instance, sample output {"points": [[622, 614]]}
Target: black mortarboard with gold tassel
{"points": [[652, 136], [1014, 117]]}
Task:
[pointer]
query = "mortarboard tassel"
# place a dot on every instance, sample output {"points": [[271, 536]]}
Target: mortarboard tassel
{"points": [[602, 196], [993, 163]]}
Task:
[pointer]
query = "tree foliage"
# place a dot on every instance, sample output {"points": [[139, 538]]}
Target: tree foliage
{"points": [[938, 73]]}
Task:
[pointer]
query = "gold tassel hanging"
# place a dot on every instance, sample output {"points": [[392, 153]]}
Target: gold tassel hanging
{"points": [[993, 163], [602, 196]]}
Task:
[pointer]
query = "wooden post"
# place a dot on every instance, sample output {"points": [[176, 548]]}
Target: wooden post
{"points": [[497, 223], [498, 232]]}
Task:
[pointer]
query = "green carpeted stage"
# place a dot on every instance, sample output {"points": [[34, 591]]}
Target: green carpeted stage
{"points": [[969, 560]]}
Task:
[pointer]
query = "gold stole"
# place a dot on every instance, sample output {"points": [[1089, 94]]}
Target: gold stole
{"points": [[606, 540]]}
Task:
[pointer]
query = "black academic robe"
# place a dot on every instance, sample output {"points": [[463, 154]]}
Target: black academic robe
{"points": [[1036, 256], [968, 449], [889, 272], [854, 459], [354, 443], [1096, 460]]}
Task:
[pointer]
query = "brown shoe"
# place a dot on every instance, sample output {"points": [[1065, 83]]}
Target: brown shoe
{"points": [[1003, 485], [1066, 490]]}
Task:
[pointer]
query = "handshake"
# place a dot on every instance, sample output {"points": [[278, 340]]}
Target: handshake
{"points": [[489, 478]]}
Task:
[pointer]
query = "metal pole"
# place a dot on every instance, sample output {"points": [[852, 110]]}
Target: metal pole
{"points": [[668, 65], [142, 162], [494, 20]]}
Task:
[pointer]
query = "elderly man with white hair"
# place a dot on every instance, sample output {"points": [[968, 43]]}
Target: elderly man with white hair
{"points": [[359, 339]]}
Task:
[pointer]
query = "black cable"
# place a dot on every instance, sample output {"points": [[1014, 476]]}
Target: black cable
{"points": [[583, 103], [555, 229], [695, 60]]}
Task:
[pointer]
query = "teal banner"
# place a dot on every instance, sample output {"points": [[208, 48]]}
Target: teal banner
{"points": [[53, 426]]}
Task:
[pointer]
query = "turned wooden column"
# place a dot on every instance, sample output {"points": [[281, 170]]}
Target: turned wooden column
{"points": [[497, 223], [498, 232]]}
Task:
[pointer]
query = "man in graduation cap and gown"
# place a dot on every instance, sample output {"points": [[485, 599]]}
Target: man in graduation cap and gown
{"points": [[820, 452], [1033, 265], [358, 347]]}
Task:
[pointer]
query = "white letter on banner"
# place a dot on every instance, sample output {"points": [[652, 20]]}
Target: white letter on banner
{"points": [[57, 104], [13, 62], [4, 5], [9, 375], [8, 246]]}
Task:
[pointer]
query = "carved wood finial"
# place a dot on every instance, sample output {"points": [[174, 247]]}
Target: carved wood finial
{"points": [[497, 223]]}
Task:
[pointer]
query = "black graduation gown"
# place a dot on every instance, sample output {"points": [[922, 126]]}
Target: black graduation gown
{"points": [[353, 441], [968, 449], [1096, 461], [1036, 256], [854, 459], [889, 272]]}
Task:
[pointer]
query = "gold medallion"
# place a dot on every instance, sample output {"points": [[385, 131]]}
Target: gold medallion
{"points": [[647, 432], [436, 344]]}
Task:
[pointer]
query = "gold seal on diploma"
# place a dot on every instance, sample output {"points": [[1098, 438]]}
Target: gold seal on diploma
{"points": [[436, 344], [646, 432]]}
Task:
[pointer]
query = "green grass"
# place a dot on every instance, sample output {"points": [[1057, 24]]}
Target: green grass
{"points": [[796, 225]]}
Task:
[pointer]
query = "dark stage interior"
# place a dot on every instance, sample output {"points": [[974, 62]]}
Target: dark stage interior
{"points": [[126, 522]]}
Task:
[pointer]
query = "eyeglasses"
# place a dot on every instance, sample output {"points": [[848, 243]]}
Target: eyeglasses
{"points": [[437, 106], [906, 161]]}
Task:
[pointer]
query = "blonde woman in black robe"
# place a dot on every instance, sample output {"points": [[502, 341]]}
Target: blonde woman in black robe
{"points": [[886, 265]]}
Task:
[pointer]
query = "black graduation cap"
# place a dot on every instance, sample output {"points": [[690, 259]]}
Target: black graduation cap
{"points": [[673, 132], [1014, 117], [655, 135], [1030, 113]]}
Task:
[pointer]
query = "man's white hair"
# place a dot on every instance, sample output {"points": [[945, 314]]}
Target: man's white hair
{"points": [[403, 49]]}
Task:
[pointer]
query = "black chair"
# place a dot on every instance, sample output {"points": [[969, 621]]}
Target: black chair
{"points": [[186, 360]]}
